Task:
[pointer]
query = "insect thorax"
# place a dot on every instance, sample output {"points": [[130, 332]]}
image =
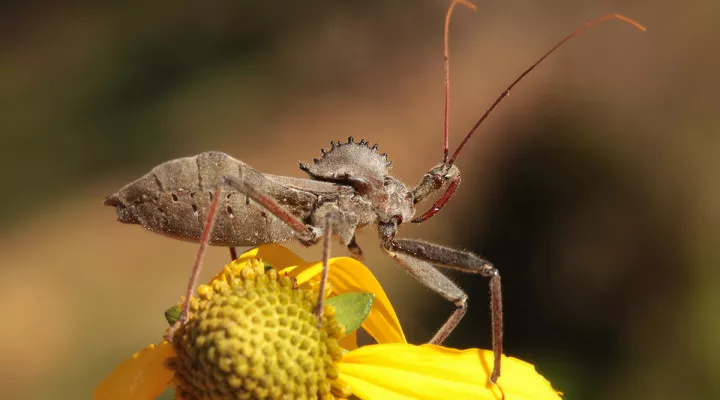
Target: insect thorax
{"points": [[361, 166]]}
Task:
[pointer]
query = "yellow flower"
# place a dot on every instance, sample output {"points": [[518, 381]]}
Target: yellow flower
{"points": [[391, 369]]}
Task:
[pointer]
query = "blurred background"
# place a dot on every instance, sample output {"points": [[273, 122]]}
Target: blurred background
{"points": [[593, 187]]}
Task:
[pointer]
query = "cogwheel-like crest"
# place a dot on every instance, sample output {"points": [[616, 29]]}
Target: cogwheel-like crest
{"points": [[357, 160]]}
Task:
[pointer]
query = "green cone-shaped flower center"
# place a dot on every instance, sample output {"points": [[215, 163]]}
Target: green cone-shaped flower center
{"points": [[253, 335]]}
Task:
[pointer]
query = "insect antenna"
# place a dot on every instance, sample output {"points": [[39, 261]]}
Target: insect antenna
{"points": [[455, 182], [446, 46], [506, 92], [446, 126]]}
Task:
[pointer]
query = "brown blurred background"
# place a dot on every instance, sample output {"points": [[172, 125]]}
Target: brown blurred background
{"points": [[592, 188]]}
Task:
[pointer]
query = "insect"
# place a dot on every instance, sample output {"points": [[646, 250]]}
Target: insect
{"points": [[218, 200]]}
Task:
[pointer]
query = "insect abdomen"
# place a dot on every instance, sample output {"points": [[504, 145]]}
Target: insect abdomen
{"points": [[173, 199]]}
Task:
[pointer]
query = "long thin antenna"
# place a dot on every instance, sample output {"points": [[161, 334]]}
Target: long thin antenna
{"points": [[447, 72], [532, 67]]}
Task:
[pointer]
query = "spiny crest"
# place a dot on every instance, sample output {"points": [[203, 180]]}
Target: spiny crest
{"points": [[349, 159]]}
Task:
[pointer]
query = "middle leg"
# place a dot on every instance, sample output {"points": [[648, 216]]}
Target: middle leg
{"points": [[306, 235]]}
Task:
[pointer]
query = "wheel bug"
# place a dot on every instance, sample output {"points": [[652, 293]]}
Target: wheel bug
{"points": [[349, 188]]}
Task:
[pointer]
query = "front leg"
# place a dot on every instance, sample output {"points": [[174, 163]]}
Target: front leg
{"points": [[416, 257]]}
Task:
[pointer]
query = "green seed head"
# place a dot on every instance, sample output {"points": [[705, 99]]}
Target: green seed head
{"points": [[253, 335]]}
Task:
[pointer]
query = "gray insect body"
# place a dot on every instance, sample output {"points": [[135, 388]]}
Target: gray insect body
{"points": [[216, 199], [350, 180], [173, 199]]}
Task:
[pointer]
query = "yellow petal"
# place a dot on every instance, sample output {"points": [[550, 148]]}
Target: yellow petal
{"points": [[274, 254], [277, 256], [141, 377], [402, 371], [347, 275], [349, 342]]}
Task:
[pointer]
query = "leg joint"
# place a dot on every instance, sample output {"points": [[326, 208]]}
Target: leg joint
{"points": [[461, 302]]}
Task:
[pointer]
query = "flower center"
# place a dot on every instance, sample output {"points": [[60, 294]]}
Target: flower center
{"points": [[253, 335]]}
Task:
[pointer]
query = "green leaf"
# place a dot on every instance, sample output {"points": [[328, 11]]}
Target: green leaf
{"points": [[351, 309], [268, 267], [172, 314]]}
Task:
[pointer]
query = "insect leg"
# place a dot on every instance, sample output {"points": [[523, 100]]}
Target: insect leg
{"points": [[416, 257], [304, 233], [204, 241], [330, 224]]}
